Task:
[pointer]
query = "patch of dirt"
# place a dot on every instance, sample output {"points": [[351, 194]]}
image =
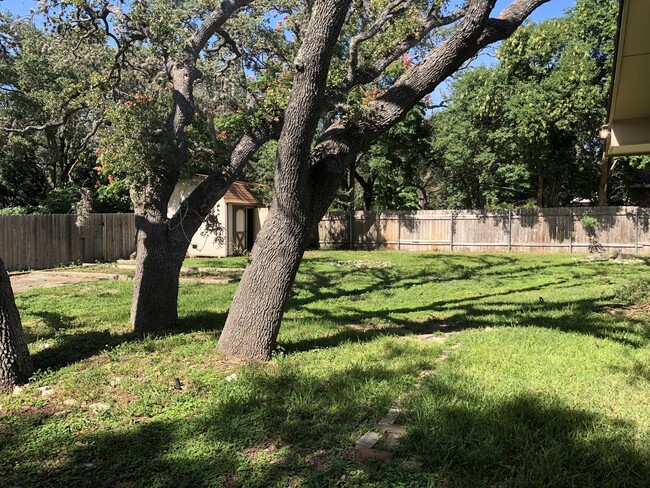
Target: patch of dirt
{"points": [[48, 279], [363, 264], [269, 454], [616, 256], [319, 459], [643, 308], [387, 328], [21, 282]]}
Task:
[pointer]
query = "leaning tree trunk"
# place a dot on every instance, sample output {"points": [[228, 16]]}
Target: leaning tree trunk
{"points": [[159, 257], [254, 319], [15, 362], [255, 315]]}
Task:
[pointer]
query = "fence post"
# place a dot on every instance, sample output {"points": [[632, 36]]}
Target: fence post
{"points": [[399, 231], [451, 237], [509, 229], [351, 231], [105, 251], [570, 230], [636, 231]]}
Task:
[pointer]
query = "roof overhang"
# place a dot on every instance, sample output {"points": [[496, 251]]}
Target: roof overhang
{"points": [[628, 120]]}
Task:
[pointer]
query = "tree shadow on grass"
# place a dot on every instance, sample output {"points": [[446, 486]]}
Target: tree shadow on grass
{"points": [[296, 427], [315, 285], [584, 316], [76, 346], [258, 431], [525, 440], [321, 285]]}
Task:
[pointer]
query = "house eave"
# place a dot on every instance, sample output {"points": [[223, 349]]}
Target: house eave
{"points": [[628, 119]]}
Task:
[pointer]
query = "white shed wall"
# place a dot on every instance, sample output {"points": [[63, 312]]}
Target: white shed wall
{"points": [[200, 245]]}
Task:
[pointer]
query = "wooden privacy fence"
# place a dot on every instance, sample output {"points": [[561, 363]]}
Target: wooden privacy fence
{"points": [[523, 229], [46, 241]]}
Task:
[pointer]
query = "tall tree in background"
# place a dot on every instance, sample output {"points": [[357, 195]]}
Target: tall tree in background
{"points": [[308, 174], [526, 129], [49, 112]]}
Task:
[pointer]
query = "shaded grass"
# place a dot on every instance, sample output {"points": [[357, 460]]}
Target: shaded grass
{"points": [[548, 409], [550, 392]]}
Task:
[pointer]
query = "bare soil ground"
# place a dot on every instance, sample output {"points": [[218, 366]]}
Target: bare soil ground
{"points": [[21, 282]]}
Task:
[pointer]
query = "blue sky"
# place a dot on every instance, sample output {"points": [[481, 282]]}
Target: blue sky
{"points": [[552, 9]]}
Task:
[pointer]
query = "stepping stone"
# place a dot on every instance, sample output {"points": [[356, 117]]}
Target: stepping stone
{"points": [[368, 440], [390, 417]]}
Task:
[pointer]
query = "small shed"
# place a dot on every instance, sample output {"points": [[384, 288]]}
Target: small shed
{"points": [[240, 214]]}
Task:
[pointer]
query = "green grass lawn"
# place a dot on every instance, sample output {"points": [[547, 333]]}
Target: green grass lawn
{"points": [[546, 381]]}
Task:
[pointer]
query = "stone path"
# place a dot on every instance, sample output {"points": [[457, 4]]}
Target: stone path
{"points": [[386, 429]]}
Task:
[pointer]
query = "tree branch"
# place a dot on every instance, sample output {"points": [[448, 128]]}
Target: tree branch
{"points": [[204, 197], [212, 24], [362, 76], [48, 125], [346, 138], [392, 10]]}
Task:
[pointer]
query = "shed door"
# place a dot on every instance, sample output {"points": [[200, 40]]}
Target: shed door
{"points": [[243, 234]]}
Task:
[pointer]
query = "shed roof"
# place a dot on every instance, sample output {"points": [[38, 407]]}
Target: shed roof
{"points": [[240, 193], [629, 105]]}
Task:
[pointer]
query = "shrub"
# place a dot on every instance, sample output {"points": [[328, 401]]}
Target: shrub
{"points": [[634, 292]]}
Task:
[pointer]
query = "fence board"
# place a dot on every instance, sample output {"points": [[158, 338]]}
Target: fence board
{"points": [[47, 241], [524, 229]]}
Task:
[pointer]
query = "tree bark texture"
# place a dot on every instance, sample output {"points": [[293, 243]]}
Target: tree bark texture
{"points": [[368, 187], [159, 257], [15, 361], [606, 170], [303, 192], [256, 312], [258, 305]]}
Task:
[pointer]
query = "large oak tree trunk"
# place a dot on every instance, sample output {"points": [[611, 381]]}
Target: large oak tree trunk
{"points": [[159, 257], [15, 362], [254, 319]]}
